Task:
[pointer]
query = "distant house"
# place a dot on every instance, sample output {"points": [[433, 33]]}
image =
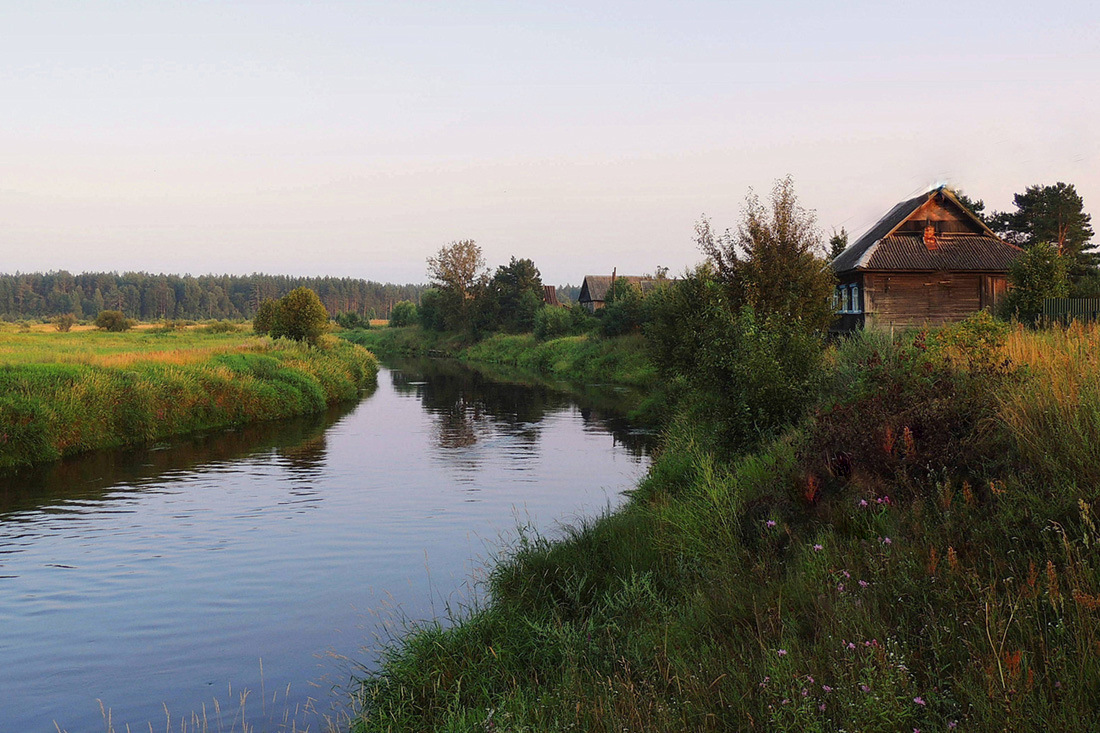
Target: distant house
{"points": [[550, 296], [594, 289], [929, 261]]}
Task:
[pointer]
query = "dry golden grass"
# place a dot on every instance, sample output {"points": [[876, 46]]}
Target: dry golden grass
{"points": [[1056, 414]]}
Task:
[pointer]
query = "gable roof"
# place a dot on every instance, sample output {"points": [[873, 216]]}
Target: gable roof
{"points": [[881, 248], [595, 287]]}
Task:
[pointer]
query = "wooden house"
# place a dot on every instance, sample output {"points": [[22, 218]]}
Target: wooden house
{"points": [[929, 261], [593, 295]]}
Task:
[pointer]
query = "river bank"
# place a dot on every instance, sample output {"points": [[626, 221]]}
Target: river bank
{"points": [[66, 393], [623, 360], [918, 552]]}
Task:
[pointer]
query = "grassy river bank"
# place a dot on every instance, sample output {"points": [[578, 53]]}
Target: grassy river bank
{"points": [[919, 551], [64, 393]]}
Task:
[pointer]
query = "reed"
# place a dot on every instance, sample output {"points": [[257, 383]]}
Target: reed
{"points": [[64, 393]]}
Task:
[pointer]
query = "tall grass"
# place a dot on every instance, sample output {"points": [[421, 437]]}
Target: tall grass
{"points": [[1056, 419], [61, 394], [880, 585]]}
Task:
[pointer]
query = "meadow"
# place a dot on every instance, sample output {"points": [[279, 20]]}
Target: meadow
{"points": [[919, 552], [64, 393]]}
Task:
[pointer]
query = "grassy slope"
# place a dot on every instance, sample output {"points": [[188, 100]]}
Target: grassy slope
{"points": [[587, 359], [727, 596], [63, 393]]}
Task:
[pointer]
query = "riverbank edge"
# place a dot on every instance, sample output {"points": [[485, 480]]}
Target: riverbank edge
{"points": [[751, 594], [587, 358], [49, 411]]}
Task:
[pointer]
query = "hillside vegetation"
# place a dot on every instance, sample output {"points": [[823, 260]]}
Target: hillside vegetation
{"points": [[916, 549], [63, 393]]}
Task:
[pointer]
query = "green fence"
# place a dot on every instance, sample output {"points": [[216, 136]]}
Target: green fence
{"points": [[1064, 310]]}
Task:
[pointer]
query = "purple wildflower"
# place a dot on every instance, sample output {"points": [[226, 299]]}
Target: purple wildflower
{"points": [[863, 584], [919, 700], [865, 688], [826, 688], [863, 502], [821, 707], [770, 523], [781, 652], [818, 548]]}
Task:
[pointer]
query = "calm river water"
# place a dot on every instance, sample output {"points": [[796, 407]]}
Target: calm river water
{"points": [[160, 582]]}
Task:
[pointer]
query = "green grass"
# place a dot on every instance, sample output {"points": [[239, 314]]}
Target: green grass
{"points": [[64, 393], [588, 358], [786, 590]]}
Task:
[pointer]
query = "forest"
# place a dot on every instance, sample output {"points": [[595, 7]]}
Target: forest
{"points": [[149, 297]]}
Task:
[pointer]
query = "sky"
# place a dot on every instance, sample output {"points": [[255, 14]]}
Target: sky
{"points": [[357, 138]]}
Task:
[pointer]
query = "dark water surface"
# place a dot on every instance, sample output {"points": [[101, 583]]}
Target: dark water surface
{"points": [[159, 580]]}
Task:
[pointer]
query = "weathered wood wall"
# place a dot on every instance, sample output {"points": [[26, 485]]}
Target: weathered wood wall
{"points": [[903, 300]]}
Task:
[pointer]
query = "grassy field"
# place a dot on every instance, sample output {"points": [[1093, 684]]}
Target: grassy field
{"points": [[921, 552], [63, 393]]}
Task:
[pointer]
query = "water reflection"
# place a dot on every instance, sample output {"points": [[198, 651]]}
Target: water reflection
{"points": [[472, 401], [298, 443], [154, 579]]}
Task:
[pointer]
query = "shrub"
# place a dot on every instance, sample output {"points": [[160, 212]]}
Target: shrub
{"points": [[265, 317], [403, 314], [552, 322], [65, 322], [351, 321], [431, 310], [219, 327], [301, 316], [1037, 274], [113, 321]]}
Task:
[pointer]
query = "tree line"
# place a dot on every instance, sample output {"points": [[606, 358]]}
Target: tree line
{"points": [[148, 297]]}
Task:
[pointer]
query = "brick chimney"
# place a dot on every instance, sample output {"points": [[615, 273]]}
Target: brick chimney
{"points": [[930, 238]]}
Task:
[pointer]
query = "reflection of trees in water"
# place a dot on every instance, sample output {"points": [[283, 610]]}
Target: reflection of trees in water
{"points": [[306, 458], [92, 476], [472, 402]]}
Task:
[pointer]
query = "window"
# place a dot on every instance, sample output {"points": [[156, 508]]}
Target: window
{"points": [[854, 298]]}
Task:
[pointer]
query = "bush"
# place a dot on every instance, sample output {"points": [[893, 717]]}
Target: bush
{"points": [[403, 314], [265, 316], [743, 376], [552, 322], [431, 310], [1039, 273], [113, 321], [64, 323], [300, 316], [219, 327], [351, 321]]}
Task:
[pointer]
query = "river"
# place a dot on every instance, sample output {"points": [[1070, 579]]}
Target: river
{"points": [[239, 580]]}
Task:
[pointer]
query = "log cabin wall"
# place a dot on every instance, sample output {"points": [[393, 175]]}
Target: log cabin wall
{"points": [[905, 300]]}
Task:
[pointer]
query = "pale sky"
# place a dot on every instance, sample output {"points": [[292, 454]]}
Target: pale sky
{"points": [[354, 139]]}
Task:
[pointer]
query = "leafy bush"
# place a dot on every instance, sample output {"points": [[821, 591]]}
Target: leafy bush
{"points": [[113, 321], [403, 313], [221, 326], [351, 320], [65, 322], [552, 322], [300, 316], [741, 375], [1039, 273], [432, 310], [265, 317], [625, 310]]}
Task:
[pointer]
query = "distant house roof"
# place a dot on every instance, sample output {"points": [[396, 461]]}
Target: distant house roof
{"points": [[595, 287], [550, 295], [974, 247]]}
